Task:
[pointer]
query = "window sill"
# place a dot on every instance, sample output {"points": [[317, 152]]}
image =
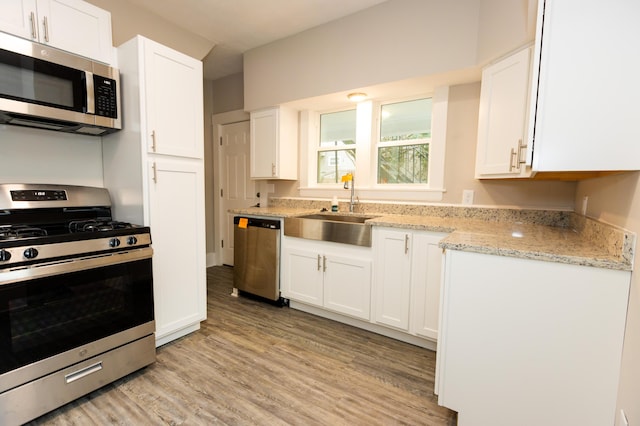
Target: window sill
{"points": [[383, 194]]}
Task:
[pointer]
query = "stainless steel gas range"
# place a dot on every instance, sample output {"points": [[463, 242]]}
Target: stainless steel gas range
{"points": [[76, 297]]}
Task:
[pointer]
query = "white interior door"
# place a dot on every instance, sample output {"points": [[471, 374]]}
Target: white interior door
{"points": [[236, 189]]}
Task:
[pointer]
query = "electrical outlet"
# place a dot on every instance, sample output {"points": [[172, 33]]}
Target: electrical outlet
{"points": [[585, 200], [467, 197]]}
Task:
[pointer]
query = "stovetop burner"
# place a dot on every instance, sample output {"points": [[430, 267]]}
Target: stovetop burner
{"points": [[91, 225], [20, 231]]}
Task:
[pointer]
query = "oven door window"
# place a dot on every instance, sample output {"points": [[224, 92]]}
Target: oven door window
{"points": [[43, 317], [40, 82]]}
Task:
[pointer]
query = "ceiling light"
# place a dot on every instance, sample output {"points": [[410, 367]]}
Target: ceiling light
{"points": [[357, 97]]}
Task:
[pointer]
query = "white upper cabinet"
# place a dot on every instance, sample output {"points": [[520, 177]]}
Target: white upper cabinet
{"points": [[72, 25], [174, 102], [583, 107], [274, 144], [588, 87], [502, 127]]}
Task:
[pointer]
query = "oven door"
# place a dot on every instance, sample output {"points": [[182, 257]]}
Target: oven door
{"points": [[53, 315]]}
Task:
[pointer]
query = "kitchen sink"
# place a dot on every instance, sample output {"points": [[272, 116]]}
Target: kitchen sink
{"points": [[337, 228]]}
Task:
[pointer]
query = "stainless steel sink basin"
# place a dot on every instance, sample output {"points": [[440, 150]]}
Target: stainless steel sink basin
{"points": [[345, 229]]}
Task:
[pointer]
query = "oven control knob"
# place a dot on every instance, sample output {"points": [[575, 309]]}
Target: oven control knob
{"points": [[31, 253], [4, 255], [132, 240], [114, 242]]}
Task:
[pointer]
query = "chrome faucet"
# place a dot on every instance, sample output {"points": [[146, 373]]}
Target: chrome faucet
{"points": [[349, 178]]}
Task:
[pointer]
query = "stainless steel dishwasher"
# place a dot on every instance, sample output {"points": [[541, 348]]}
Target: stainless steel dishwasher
{"points": [[256, 257]]}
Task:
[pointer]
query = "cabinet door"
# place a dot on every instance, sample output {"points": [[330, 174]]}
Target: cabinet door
{"points": [[392, 279], [274, 144], [264, 140], [426, 277], [76, 26], [176, 218], [173, 93], [577, 128], [543, 347], [18, 17], [347, 286], [501, 147], [301, 275]]}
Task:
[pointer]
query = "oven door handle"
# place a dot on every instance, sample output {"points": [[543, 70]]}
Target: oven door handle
{"points": [[48, 269]]}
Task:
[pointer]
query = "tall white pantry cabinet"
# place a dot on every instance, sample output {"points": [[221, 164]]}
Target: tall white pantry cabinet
{"points": [[155, 172]]}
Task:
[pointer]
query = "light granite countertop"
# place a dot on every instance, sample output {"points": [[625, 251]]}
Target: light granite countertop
{"points": [[521, 236]]}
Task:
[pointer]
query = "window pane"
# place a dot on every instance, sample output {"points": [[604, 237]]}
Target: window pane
{"points": [[406, 120], [332, 165], [338, 128], [403, 164]]}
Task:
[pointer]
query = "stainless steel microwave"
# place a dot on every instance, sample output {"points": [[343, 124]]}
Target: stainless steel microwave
{"points": [[51, 89]]}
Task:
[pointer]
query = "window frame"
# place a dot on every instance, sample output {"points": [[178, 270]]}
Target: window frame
{"points": [[375, 148], [366, 146], [318, 148]]}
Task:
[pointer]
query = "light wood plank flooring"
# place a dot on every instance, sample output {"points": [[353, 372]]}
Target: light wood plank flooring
{"points": [[257, 364]]}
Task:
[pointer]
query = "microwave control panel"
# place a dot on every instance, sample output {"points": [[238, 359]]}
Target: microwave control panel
{"points": [[106, 96]]}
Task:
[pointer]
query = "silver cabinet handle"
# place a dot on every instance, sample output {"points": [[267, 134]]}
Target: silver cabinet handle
{"points": [[319, 266], [406, 243], [46, 29], [522, 159], [153, 140], [324, 263], [273, 169], [511, 157], [76, 375], [155, 172], [34, 27]]}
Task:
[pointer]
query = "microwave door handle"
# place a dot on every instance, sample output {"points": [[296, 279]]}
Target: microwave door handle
{"points": [[90, 106]]}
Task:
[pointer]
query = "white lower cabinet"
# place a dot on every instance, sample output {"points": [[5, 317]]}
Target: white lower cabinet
{"points": [[179, 271], [406, 282], [529, 342], [332, 276]]}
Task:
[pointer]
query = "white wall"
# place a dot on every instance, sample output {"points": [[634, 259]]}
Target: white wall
{"points": [[128, 20], [41, 156], [396, 40], [503, 26]]}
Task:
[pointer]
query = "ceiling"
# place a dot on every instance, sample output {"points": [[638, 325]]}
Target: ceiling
{"points": [[235, 26]]}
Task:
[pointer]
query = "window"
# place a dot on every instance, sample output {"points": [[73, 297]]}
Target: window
{"points": [[396, 149], [403, 147], [336, 151]]}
